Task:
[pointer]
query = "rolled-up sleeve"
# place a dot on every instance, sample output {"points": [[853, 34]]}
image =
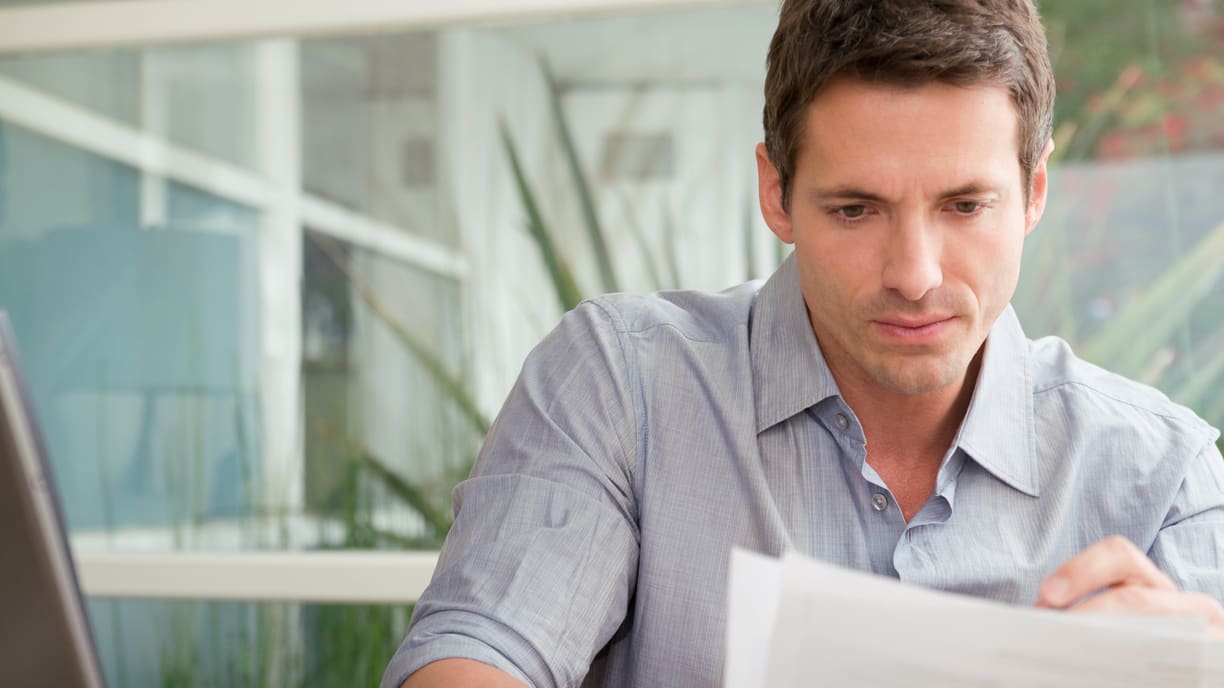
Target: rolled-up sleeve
{"points": [[1190, 545], [538, 570]]}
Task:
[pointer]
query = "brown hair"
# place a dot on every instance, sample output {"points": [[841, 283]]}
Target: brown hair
{"points": [[906, 43]]}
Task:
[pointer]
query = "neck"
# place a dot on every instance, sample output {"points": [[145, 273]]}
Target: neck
{"points": [[913, 429]]}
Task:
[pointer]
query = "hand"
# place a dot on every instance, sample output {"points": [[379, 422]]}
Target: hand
{"points": [[1128, 583]]}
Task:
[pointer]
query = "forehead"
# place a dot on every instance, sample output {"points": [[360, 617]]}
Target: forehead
{"points": [[860, 131]]}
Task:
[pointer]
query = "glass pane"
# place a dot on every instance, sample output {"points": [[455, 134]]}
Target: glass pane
{"points": [[385, 438], [106, 82], [139, 343], [370, 128], [1126, 263], [661, 138], [200, 97], [637, 126], [205, 98], [245, 645]]}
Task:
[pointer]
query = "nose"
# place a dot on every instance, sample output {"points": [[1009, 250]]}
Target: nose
{"points": [[912, 259]]}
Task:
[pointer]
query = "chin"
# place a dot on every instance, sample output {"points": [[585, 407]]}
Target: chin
{"points": [[919, 378]]}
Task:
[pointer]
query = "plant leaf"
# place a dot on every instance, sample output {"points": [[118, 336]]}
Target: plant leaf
{"points": [[634, 225], [1130, 339], [432, 364], [438, 520], [586, 196], [562, 278], [1206, 380]]}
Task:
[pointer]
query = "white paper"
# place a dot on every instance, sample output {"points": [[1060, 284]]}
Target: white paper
{"points": [[755, 582], [797, 622], [1213, 669]]}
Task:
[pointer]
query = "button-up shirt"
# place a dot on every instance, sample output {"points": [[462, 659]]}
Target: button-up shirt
{"points": [[648, 435]]}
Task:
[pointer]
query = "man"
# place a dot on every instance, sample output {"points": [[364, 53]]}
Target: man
{"points": [[875, 404]]}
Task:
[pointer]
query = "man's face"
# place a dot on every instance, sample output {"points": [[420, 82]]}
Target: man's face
{"points": [[908, 216]]}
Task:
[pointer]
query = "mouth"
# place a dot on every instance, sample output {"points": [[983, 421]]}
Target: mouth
{"points": [[920, 330]]}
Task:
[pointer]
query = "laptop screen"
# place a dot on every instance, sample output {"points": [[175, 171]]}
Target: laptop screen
{"points": [[45, 635]]}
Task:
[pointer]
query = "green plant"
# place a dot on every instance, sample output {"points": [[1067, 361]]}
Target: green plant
{"points": [[349, 644], [420, 498], [1165, 330]]}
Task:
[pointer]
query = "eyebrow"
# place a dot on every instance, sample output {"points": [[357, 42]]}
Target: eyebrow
{"points": [[973, 188]]}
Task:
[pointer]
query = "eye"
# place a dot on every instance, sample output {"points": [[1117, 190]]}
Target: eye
{"points": [[968, 208], [850, 214]]}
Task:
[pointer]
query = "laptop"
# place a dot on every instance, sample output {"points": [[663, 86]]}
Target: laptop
{"points": [[45, 635]]}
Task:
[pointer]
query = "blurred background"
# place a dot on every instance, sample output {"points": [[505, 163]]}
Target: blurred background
{"points": [[270, 289]]}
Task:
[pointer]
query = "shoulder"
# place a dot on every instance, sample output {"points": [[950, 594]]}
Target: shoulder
{"points": [[694, 315], [618, 336], [1092, 398]]}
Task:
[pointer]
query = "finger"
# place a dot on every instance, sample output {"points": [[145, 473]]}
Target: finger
{"points": [[1111, 562], [1131, 599]]}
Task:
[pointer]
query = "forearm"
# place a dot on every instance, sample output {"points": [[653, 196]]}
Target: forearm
{"points": [[458, 673]]}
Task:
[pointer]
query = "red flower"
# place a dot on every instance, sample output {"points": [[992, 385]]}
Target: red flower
{"points": [[1112, 145], [1174, 125], [1131, 77]]}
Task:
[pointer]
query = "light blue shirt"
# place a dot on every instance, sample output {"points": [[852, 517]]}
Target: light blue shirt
{"points": [[647, 435]]}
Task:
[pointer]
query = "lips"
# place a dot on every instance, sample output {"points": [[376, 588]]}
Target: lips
{"points": [[910, 330], [913, 323]]}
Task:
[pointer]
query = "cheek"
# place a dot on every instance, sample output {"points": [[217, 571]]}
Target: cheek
{"points": [[834, 273], [842, 259], [992, 267]]}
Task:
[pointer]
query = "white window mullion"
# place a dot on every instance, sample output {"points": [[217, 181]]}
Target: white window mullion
{"points": [[282, 448], [68, 123], [357, 577], [79, 25], [382, 238], [280, 267], [153, 99]]}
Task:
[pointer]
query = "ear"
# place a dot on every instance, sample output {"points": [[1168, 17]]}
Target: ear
{"points": [[769, 187], [1041, 187]]}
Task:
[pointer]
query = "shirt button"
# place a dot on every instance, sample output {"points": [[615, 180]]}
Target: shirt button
{"points": [[879, 502], [842, 421]]}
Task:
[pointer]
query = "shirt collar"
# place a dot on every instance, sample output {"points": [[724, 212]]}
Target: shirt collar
{"points": [[999, 430], [790, 375]]}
